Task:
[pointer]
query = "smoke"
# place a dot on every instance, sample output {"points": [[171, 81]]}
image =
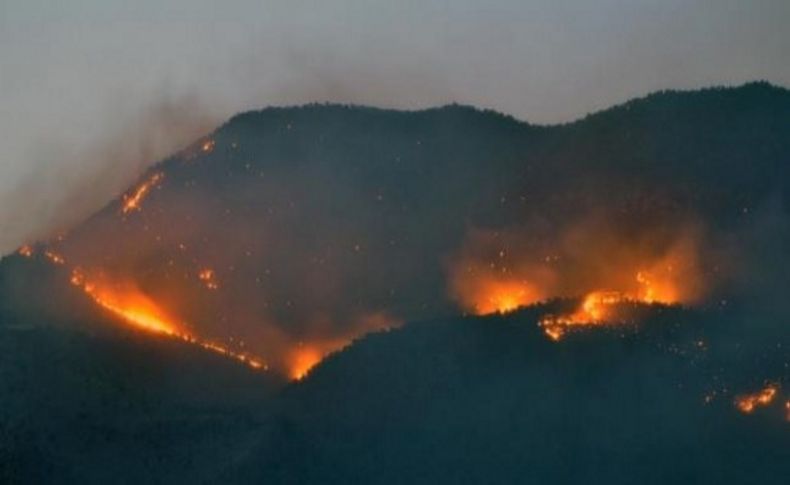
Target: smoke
{"points": [[64, 179]]}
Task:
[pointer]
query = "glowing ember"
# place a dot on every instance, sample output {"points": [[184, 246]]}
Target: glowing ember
{"points": [[747, 403], [26, 251], [132, 202], [208, 277], [787, 411]]}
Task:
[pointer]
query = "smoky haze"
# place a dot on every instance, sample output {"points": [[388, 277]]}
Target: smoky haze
{"points": [[92, 94]]}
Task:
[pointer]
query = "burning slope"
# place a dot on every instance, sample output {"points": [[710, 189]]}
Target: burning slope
{"points": [[498, 272], [138, 310], [287, 225]]}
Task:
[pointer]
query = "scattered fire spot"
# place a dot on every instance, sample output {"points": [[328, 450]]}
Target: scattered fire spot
{"points": [[207, 146], [26, 251], [208, 277], [54, 257], [747, 403], [500, 295], [133, 201]]}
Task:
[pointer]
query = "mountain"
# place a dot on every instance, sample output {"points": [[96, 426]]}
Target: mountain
{"points": [[322, 222], [490, 400], [174, 335], [86, 399]]}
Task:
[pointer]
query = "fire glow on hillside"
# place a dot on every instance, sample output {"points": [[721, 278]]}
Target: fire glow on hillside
{"points": [[136, 309], [594, 262]]}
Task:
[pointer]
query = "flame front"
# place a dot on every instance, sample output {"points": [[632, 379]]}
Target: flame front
{"points": [[302, 359], [138, 310]]}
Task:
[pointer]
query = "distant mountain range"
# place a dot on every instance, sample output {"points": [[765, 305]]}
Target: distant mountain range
{"points": [[290, 232]]}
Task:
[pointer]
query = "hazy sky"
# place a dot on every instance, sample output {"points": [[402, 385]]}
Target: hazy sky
{"points": [[93, 90]]}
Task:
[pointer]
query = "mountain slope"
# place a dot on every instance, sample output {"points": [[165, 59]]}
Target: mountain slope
{"points": [[322, 222], [491, 400]]}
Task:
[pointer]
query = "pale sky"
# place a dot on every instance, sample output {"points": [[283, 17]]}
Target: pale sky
{"points": [[91, 91]]}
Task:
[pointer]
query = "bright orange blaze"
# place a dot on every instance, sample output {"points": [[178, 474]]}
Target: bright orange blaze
{"points": [[302, 360], [133, 201], [596, 308], [25, 251], [139, 311], [747, 403], [501, 296], [657, 290]]}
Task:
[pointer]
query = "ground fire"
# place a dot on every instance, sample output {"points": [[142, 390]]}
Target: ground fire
{"points": [[133, 201], [136, 309], [747, 403]]}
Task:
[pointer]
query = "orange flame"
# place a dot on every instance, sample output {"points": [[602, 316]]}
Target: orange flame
{"points": [[302, 360], [132, 201], [496, 294], [138, 310], [595, 309], [747, 403]]}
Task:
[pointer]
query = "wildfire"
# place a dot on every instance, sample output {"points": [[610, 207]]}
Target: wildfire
{"points": [[132, 201], [607, 266], [138, 310], [747, 403], [595, 309], [490, 294], [208, 277]]}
